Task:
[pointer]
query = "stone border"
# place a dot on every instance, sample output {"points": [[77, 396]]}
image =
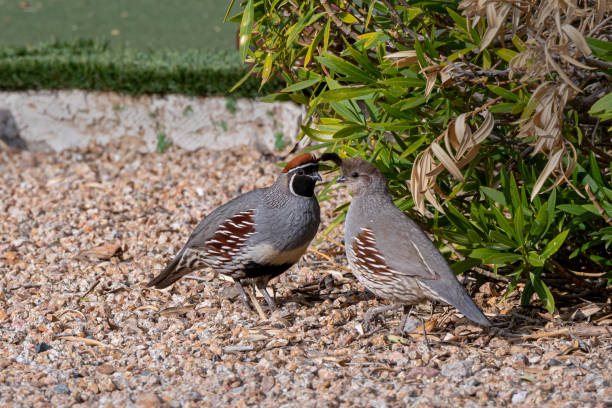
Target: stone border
{"points": [[58, 120]]}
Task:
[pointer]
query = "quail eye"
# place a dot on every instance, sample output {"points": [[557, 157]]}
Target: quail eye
{"points": [[355, 175], [300, 172]]}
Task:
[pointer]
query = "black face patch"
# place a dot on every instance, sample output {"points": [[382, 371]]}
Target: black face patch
{"points": [[308, 168], [303, 185]]}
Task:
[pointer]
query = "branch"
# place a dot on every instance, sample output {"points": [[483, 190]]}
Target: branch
{"points": [[600, 210], [337, 22], [397, 19]]}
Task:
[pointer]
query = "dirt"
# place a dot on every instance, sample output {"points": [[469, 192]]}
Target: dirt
{"points": [[83, 231]]}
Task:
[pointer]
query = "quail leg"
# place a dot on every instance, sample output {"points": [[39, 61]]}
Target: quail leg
{"points": [[243, 295], [375, 311], [262, 286], [425, 334], [406, 312]]}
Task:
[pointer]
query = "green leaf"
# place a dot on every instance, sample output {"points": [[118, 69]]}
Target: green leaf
{"points": [[312, 47], [301, 85], [482, 253], [242, 81], [267, 69], [594, 168], [403, 82], [514, 194], [370, 38], [535, 259], [541, 221], [397, 339], [602, 108], [246, 26], [499, 91], [543, 292], [554, 245], [326, 35], [413, 147], [459, 20], [601, 48], [459, 220], [413, 102], [348, 131], [503, 222], [340, 94], [494, 195], [506, 54], [369, 16], [464, 265], [504, 239], [502, 258], [229, 8], [345, 68], [347, 17], [503, 107]]}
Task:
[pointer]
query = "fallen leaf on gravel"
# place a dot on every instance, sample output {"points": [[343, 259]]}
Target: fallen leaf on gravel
{"points": [[416, 372], [101, 253]]}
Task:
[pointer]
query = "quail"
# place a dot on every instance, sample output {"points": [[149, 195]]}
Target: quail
{"points": [[258, 235], [388, 252]]}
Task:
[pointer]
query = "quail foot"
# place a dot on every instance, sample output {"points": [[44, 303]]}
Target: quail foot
{"points": [[258, 235], [389, 254]]}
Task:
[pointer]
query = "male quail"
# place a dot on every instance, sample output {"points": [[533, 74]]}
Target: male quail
{"points": [[389, 254], [257, 235]]}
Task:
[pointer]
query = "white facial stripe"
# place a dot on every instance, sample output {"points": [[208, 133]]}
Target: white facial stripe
{"points": [[302, 166], [291, 184]]}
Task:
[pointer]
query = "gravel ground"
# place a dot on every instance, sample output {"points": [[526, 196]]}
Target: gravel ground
{"points": [[84, 230]]}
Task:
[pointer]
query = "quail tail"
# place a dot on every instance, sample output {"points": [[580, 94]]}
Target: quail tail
{"points": [[464, 303], [170, 274]]}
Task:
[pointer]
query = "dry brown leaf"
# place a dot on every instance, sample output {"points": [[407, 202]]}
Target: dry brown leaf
{"points": [[577, 38], [431, 81], [552, 164], [496, 17], [403, 58], [447, 161], [101, 253]]}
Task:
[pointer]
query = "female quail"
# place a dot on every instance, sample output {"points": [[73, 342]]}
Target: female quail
{"points": [[389, 254], [257, 235]]}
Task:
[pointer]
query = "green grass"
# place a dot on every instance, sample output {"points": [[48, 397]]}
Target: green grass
{"points": [[92, 65], [135, 24]]}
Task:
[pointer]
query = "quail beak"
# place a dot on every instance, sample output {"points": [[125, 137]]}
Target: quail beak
{"points": [[317, 177], [341, 179]]}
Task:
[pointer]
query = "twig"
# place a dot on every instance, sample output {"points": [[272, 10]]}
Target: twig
{"points": [[197, 278], [598, 63], [27, 286], [588, 274], [565, 272], [488, 274], [91, 288], [257, 305], [329, 258], [78, 312], [84, 340], [600, 210], [331, 241], [492, 102], [584, 331], [237, 349]]}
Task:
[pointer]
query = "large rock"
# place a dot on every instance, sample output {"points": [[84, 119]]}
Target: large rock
{"points": [[57, 120]]}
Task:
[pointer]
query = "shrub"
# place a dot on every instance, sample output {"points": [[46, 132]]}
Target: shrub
{"points": [[92, 65], [488, 119]]}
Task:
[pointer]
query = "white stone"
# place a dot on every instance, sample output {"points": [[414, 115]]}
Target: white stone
{"points": [[58, 120]]}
